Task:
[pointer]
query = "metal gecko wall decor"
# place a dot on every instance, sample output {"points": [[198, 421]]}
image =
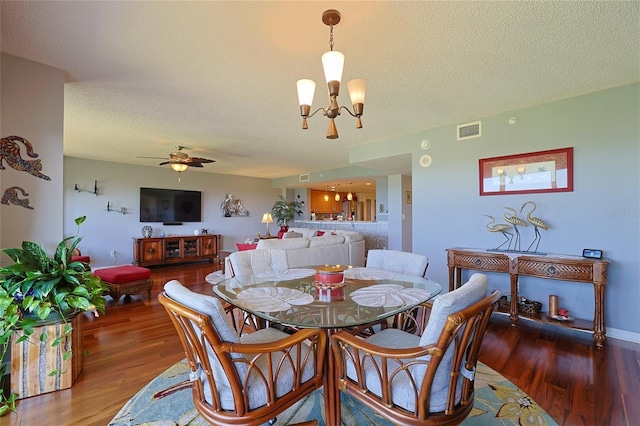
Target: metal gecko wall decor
{"points": [[11, 197], [10, 153]]}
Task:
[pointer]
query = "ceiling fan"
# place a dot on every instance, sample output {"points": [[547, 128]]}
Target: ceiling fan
{"points": [[180, 161]]}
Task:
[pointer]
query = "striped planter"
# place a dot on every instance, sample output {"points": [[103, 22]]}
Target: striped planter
{"points": [[34, 359]]}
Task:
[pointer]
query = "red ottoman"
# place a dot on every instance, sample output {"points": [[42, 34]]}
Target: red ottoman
{"points": [[125, 279]]}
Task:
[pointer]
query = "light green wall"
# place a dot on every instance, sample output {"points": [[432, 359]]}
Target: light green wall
{"points": [[120, 185], [602, 211]]}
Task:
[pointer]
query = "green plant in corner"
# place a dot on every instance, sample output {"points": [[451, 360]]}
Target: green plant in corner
{"points": [[37, 286], [284, 211]]}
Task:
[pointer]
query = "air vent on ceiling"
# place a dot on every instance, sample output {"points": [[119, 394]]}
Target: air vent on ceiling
{"points": [[469, 130], [304, 178]]}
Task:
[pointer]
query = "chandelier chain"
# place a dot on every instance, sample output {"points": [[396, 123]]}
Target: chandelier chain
{"points": [[331, 37]]}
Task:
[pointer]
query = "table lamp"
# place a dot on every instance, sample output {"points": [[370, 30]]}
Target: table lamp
{"points": [[266, 218]]}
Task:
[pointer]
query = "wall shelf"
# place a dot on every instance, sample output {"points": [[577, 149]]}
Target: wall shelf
{"points": [[95, 188], [110, 208]]}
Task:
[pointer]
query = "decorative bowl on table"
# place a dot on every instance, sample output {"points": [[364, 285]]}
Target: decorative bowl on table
{"points": [[329, 276]]}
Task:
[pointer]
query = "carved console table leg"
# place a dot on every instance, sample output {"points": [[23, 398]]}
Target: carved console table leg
{"points": [[599, 329], [513, 310]]}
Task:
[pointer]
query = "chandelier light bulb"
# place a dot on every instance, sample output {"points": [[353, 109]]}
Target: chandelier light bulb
{"points": [[333, 64]]}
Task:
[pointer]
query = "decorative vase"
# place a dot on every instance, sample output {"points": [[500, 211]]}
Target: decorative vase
{"points": [[147, 231], [282, 231]]}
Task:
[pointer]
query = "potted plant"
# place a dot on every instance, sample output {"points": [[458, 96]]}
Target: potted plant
{"points": [[38, 287], [284, 211]]}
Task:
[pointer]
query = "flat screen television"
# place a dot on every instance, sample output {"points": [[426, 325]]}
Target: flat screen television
{"points": [[170, 206]]}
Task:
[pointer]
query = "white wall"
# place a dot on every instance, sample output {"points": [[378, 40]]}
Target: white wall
{"points": [[32, 101], [120, 185], [602, 211]]}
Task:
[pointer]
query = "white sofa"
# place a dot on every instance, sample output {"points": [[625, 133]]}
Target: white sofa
{"points": [[274, 255]]}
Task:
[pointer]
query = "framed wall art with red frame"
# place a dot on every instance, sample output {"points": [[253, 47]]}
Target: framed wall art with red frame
{"points": [[533, 172]]}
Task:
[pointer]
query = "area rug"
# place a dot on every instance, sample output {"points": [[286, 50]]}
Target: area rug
{"points": [[167, 400]]}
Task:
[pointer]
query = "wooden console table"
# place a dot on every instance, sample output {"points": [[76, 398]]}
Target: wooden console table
{"points": [[551, 266]]}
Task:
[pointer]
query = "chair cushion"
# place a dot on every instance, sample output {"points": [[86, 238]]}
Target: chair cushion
{"points": [[398, 261], [204, 304], [445, 304], [257, 391], [209, 305], [123, 274], [85, 259], [471, 292]]}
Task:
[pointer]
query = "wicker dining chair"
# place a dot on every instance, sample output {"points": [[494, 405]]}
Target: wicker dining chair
{"points": [[241, 380], [405, 263], [420, 380]]}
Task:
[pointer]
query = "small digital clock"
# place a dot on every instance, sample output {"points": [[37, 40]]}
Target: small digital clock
{"points": [[592, 253]]}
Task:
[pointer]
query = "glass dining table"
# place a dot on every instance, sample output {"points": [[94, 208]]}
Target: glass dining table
{"points": [[295, 299]]}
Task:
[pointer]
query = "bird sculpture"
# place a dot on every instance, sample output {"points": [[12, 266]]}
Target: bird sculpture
{"points": [[515, 221], [500, 227], [537, 223]]}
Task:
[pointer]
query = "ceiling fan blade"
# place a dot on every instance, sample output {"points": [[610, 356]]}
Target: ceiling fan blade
{"points": [[164, 163], [195, 165], [200, 160]]}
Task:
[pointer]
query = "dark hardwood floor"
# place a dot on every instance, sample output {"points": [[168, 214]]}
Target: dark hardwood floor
{"points": [[575, 382]]}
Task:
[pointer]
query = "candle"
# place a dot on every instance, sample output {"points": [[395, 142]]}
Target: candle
{"points": [[553, 305]]}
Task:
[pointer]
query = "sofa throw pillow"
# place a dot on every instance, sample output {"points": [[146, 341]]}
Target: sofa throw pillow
{"points": [[243, 247]]}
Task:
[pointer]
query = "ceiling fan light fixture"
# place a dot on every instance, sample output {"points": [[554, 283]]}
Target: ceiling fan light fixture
{"points": [[178, 167]]}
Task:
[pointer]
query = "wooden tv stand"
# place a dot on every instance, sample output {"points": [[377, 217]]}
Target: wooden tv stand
{"points": [[551, 266], [175, 249]]}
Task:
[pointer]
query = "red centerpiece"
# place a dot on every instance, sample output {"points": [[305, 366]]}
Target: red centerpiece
{"points": [[329, 276]]}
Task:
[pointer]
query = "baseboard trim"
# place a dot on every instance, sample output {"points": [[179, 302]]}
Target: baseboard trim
{"points": [[623, 335]]}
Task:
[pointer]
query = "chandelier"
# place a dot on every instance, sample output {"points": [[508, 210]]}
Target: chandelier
{"points": [[333, 63]]}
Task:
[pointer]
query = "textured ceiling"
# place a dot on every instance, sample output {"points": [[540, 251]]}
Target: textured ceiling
{"points": [[219, 77]]}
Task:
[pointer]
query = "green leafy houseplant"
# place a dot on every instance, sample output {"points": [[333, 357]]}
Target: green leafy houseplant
{"points": [[37, 286], [284, 211]]}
